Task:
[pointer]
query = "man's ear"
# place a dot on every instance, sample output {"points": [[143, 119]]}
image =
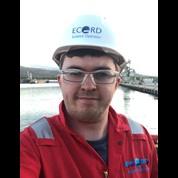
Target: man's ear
{"points": [[118, 80], [59, 79]]}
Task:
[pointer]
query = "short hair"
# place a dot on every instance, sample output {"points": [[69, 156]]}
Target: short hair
{"points": [[84, 52]]}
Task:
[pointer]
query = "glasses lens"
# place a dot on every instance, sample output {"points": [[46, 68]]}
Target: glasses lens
{"points": [[100, 76], [73, 75], [104, 76]]}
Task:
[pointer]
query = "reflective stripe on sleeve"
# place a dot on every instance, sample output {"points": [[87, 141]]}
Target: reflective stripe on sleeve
{"points": [[136, 128], [42, 129]]}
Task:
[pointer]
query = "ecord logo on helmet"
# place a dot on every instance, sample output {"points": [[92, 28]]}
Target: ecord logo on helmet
{"points": [[86, 29]]}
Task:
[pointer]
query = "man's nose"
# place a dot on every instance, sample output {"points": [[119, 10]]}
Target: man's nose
{"points": [[88, 82]]}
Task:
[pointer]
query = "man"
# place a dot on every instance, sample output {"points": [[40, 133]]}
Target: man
{"points": [[87, 139]]}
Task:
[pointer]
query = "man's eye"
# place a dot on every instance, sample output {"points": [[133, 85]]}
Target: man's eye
{"points": [[101, 74], [76, 73]]}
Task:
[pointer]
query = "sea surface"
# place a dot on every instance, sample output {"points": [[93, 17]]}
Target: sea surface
{"points": [[42, 99]]}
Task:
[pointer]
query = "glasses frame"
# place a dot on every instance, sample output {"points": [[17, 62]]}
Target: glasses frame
{"points": [[86, 73]]}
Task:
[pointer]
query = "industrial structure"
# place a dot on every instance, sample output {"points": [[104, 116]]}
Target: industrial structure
{"points": [[142, 83], [129, 76]]}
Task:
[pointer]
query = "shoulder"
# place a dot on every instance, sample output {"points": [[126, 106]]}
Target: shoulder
{"points": [[41, 128], [41, 132], [121, 120]]}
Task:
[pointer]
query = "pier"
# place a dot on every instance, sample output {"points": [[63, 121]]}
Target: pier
{"points": [[142, 83], [150, 89]]}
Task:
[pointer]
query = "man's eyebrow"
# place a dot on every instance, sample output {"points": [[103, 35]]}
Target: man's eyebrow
{"points": [[102, 68], [96, 68], [74, 67]]}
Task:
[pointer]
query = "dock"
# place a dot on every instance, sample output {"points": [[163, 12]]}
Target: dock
{"points": [[150, 89]]}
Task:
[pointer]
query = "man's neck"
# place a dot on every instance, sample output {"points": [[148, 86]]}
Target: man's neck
{"points": [[90, 131]]}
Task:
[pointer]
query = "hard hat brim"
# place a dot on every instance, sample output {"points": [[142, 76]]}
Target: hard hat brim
{"points": [[113, 53]]}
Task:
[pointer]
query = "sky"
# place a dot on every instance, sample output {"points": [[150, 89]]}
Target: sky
{"points": [[135, 23]]}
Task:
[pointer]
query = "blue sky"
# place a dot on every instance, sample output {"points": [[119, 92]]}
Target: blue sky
{"points": [[134, 21]]}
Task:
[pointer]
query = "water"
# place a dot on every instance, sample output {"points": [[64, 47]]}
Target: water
{"points": [[38, 100]]}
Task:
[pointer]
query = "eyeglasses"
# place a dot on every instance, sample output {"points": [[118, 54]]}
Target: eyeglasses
{"points": [[97, 77]]}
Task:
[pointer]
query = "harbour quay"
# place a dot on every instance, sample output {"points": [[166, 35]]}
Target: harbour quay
{"points": [[150, 89], [135, 81]]}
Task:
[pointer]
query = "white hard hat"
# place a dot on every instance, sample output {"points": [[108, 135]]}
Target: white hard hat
{"points": [[89, 31]]}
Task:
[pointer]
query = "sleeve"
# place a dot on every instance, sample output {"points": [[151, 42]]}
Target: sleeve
{"points": [[154, 170], [154, 156], [29, 158]]}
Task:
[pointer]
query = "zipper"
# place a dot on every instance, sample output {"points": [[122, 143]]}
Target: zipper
{"points": [[106, 174]]}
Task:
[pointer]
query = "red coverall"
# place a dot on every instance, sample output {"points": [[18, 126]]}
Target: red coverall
{"points": [[49, 149]]}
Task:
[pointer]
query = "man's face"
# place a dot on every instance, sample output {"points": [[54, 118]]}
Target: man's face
{"points": [[87, 102]]}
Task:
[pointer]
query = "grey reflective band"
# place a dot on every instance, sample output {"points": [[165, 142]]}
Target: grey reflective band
{"points": [[136, 128], [42, 129]]}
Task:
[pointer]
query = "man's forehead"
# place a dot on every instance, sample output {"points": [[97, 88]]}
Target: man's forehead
{"points": [[87, 61]]}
